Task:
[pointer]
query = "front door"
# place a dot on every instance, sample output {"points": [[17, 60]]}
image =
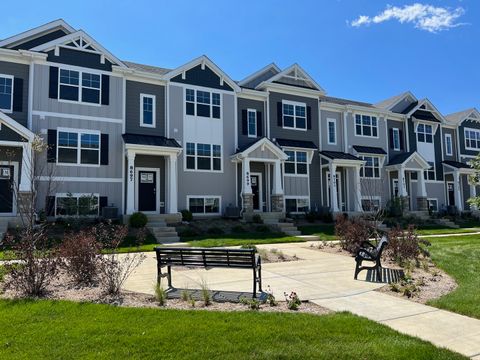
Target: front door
{"points": [[255, 182], [451, 194], [147, 191], [6, 189]]}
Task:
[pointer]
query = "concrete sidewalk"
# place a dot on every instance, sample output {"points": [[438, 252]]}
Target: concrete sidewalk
{"points": [[327, 280]]}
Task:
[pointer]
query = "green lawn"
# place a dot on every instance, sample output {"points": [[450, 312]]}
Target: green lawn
{"points": [[324, 231], [459, 256], [66, 330], [435, 229], [241, 239]]}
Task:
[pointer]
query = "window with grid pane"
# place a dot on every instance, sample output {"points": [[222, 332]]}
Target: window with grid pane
{"points": [[366, 125], [296, 163], [371, 168], [424, 133], [294, 115], [6, 93]]}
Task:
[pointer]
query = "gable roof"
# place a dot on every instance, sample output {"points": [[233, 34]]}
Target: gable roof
{"points": [[456, 164], [16, 126], [147, 68], [41, 30], [204, 61], [296, 143], [338, 155], [290, 75], [245, 150], [390, 103], [460, 116], [407, 156], [79, 40], [257, 77], [150, 140], [426, 105]]}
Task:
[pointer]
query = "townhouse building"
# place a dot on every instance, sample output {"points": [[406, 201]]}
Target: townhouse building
{"points": [[135, 137]]}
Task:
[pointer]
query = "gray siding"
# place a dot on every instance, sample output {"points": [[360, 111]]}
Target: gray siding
{"points": [[133, 91], [79, 58], [400, 126], [461, 135], [19, 71], [454, 144], [295, 186], [244, 104], [338, 116], [352, 139]]}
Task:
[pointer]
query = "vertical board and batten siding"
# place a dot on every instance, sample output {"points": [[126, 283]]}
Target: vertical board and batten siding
{"points": [[461, 136], [197, 182], [20, 72], [454, 144], [198, 77], [437, 191], [79, 58], [133, 108], [311, 134], [391, 124], [243, 105], [295, 185], [338, 116]]}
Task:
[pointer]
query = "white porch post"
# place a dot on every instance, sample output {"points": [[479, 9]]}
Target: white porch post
{"points": [[458, 195], [358, 190], [403, 182], [333, 187], [130, 182], [172, 183], [27, 170], [473, 193], [246, 181], [422, 190], [277, 179]]}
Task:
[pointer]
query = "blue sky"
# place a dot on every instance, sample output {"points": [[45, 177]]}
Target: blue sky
{"points": [[378, 58]]}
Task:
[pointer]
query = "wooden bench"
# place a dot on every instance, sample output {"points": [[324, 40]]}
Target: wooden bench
{"points": [[370, 252], [209, 258]]}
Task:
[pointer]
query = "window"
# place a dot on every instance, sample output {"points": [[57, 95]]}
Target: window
{"points": [[209, 205], [433, 205], [371, 203], [366, 125], [204, 157], [6, 93], [79, 86], [297, 205], [294, 115], [202, 103], [430, 173], [77, 205], [396, 139], [296, 164], [448, 144], [472, 139], [147, 110], [371, 168], [252, 122], [78, 148], [424, 133], [332, 131]]}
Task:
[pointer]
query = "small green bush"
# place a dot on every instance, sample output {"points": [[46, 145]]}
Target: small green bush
{"points": [[215, 231], [262, 229], [257, 219], [160, 295], [205, 294], [186, 215], [188, 232], [311, 216], [138, 220], [238, 229]]}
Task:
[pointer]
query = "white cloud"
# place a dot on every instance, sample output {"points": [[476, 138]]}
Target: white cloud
{"points": [[424, 17]]}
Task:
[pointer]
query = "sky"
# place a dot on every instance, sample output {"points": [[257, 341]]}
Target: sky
{"points": [[364, 50]]}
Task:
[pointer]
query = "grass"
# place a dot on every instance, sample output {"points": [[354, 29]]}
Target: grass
{"points": [[435, 229], [459, 256], [67, 330], [241, 239], [324, 231]]}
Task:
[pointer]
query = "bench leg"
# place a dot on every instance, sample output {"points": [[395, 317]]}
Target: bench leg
{"points": [[254, 283], [379, 273], [357, 269], [260, 279], [169, 269]]}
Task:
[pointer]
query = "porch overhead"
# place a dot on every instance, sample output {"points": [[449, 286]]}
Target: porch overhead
{"points": [[262, 150], [341, 159], [411, 160], [371, 150], [151, 145], [456, 166]]}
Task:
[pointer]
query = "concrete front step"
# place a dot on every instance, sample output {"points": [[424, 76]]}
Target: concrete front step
{"points": [[168, 240]]}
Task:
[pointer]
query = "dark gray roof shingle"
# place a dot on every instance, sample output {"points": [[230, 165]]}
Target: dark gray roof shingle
{"points": [[150, 140], [296, 143], [147, 68], [400, 158], [339, 155], [341, 101], [425, 115], [456, 164], [369, 150]]}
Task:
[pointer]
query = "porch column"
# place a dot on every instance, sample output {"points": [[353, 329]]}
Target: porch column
{"points": [[277, 195], [333, 188], [402, 182], [27, 173], [422, 202], [458, 195], [172, 184], [247, 195], [473, 193], [130, 182], [358, 190]]}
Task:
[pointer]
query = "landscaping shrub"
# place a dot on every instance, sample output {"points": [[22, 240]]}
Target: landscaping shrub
{"points": [[138, 220], [262, 229], [80, 254], [238, 229], [405, 246], [257, 219], [293, 301], [327, 217], [188, 232], [215, 231], [270, 297], [253, 304], [205, 294], [160, 294], [352, 232], [186, 215], [311, 216]]}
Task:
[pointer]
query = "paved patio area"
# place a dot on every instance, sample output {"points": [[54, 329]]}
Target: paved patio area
{"points": [[327, 280]]}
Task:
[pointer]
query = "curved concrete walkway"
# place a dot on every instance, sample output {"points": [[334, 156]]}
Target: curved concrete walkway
{"points": [[327, 280]]}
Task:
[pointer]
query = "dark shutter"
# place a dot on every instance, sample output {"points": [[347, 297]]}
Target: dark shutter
{"points": [[105, 90], [279, 114], [244, 122], [390, 136], [104, 149], [309, 117], [400, 136], [259, 124], [17, 94], [53, 85], [52, 146], [102, 202], [50, 206]]}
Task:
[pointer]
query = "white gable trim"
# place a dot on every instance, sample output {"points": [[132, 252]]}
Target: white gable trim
{"points": [[204, 61], [415, 156], [80, 34], [427, 104], [46, 28], [15, 126], [259, 72], [404, 96], [264, 142], [298, 72], [474, 115]]}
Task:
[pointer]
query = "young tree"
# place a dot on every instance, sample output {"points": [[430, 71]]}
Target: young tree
{"points": [[474, 180]]}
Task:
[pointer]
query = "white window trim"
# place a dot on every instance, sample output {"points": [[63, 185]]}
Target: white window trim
{"points": [[447, 152], [371, 126], [294, 127], [396, 132], [77, 196], [79, 146], [196, 159], [154, 118], [375, 197], [9, 111], [428, 203], [295, 163], [465, 138], [195, 89], [297, 198], [373, 167], [434, 169], [248, 123], [205, 197], [334, 122], [80, 86], [425, 133]]}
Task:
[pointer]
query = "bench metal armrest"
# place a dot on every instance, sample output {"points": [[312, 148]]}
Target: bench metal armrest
{"points": [[369, 253], [369, 244]]}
